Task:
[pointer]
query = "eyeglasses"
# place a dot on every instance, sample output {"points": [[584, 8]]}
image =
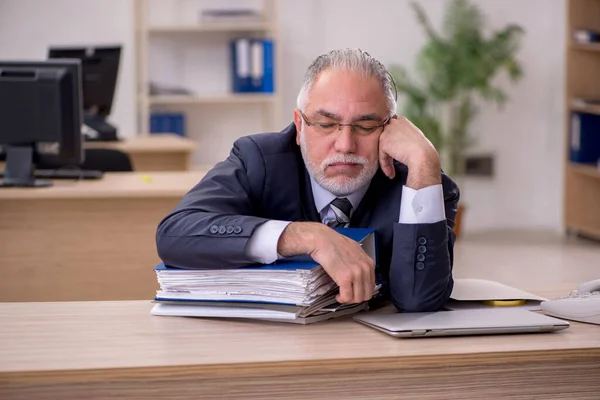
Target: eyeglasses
{"points": [[363, 128]]}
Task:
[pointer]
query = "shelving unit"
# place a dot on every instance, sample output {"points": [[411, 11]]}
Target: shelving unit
{"points": [[582, 182], [174, 47]]}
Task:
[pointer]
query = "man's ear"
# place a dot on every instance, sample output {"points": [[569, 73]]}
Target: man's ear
{"points": [[298, 123]]}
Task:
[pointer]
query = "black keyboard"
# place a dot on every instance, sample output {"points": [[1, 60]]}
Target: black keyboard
{"points": [[67, 174], [64, 174]]}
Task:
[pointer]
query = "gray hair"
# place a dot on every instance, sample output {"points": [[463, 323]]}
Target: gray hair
{"points": [[355, 60]]}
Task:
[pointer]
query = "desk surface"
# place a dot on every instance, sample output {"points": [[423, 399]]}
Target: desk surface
{"points": [[113, 185], [105, 349], [163, 143], [104, 335]]}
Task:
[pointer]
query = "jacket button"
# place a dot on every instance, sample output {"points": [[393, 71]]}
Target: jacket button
{"points": [[420, 266], [230, 229], [420, 257], [214, 229], [422, 249], [422, 241], [222, 229], [237, 229]]}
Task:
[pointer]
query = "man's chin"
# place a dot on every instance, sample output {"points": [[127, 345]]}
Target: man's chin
{"points": [[341, 185]]}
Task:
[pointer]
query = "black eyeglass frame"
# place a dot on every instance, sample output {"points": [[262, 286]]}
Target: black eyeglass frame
{"points": [[351, 125]]}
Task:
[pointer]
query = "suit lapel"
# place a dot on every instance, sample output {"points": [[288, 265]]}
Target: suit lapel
{"points": [[307, 201]]}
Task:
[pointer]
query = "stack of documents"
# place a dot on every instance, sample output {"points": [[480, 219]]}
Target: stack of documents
{"points": [[292, 290]]}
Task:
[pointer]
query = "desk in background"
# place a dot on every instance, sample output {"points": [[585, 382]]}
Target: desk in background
{"points": [[156, 152], [86, 240], [103, 349]]}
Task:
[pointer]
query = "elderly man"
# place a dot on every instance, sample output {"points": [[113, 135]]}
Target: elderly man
{"points": [[347, 160]]}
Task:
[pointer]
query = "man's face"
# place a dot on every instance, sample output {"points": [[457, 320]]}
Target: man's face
{"points": [[342, 161]]}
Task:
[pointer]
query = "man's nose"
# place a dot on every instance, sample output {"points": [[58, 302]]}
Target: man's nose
{"points": [[345, 141]]}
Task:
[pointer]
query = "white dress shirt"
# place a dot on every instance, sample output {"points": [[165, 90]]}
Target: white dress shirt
{"points": [[423, 206]]}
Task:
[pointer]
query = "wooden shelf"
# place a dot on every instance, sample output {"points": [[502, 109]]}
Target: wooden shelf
{"points": [[582, 70], [585, 231], [585, 46], [586, 169], [214, 27], [213, 99], [595, 109]]}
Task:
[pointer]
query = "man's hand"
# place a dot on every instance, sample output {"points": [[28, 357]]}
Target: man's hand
{"points": [[401, 140], [342, 258]]}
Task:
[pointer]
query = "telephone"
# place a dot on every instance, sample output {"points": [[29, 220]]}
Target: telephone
{"points": [[583, 304]]}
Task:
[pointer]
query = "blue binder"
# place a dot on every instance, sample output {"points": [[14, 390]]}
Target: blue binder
{"points": [[167, 123], [268, 82], [240, 66], [584, 144]]}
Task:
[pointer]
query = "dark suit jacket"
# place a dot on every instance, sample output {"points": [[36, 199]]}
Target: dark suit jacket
{"points": [[264, 178]]}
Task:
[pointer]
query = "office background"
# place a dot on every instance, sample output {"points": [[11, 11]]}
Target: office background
{"points": [[77, 257], [526, 138]]}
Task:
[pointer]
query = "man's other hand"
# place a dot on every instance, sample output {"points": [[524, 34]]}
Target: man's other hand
{"points": [[403, 141], [342, 258]]}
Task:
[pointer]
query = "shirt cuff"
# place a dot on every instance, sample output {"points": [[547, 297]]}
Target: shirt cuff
{"points": [[262, 245], [423, 206]]}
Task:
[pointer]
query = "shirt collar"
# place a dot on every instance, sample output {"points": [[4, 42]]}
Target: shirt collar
{"points": [[323, 197]]}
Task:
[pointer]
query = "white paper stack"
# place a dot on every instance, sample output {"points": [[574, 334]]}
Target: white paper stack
{"points": [[291, 290]]}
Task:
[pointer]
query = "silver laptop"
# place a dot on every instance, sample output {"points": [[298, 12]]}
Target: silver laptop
{"points": [[462, 322]]}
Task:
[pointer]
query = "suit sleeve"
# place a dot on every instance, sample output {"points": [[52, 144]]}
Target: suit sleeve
{"points": [[422, 258], [212, 224]]}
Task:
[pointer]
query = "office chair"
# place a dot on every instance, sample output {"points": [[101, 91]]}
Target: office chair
{"points": [[97, 162], [107, 160]]}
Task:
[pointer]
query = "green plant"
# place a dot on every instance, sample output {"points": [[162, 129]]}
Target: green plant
{"points": [[455, 67]]}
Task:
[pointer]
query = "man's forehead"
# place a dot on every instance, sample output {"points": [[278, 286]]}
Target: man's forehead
{"points": [[369, 114], [346, 94]]}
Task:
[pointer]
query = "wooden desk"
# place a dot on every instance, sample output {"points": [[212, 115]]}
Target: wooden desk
{"points": [[156, 152], [86, 240], [101, 350]]}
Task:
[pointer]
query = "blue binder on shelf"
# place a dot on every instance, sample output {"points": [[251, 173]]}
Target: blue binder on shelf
{"points": [[584, 143], [240, 65], [167, 123], [252, 66], [268, 83], [262, 65]]}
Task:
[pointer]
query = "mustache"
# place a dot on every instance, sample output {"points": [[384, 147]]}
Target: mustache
{"points": [[343, 158]]}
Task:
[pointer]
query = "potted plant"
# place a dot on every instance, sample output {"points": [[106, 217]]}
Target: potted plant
{"points": [[456, 68]]}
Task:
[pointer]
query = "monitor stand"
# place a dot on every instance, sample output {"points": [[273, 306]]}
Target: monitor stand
{"points": [[19, 168], [97, 128]]}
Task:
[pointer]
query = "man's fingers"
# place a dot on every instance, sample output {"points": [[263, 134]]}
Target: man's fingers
{"points": [[368, 289], [359, 294], [386, 164], [369, 280], [346, 292]]}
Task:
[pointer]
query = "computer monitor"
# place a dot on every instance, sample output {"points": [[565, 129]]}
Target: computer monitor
{"points": [[40, 108], [99, 68]]}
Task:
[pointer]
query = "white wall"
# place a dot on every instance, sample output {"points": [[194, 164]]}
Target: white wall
{"points": [[527, 136], [28, 27]]}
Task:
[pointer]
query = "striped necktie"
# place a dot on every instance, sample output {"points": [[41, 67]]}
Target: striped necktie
{"points": [[342, 209]]}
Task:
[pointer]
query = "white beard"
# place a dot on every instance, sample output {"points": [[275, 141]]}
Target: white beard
{"points": [[343, 186]]}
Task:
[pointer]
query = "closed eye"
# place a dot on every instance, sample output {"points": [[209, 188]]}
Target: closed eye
{"points": [[326, 126]]}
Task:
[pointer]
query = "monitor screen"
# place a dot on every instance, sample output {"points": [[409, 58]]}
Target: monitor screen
{"points": [[100, 68], [40, 104]]}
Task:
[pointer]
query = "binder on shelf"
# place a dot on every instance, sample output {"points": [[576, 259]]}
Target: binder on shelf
{"points": [[240, 65], [167, 123], [295, 289], [268, 83], [252, 65], [584, 143], [257, 69]]}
